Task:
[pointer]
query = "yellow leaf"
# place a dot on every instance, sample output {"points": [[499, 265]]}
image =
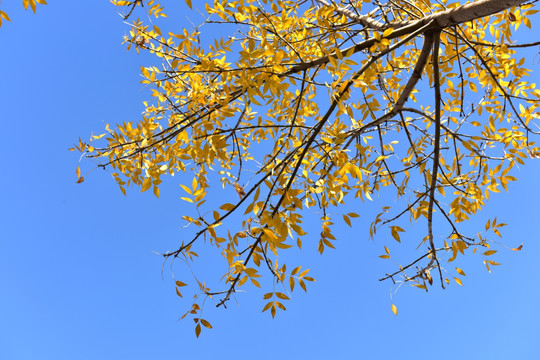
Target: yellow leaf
{"points": [[198, 330], [78, 172], [489, 252], [206, 324], [270, 234], [387, 32], [178, 292], [368, 195], [242, 281], [188, 2], [302, 284], [4, 15], [267, 306], [180, 284], [146, 184], [395, 232], [458, 281], [394, 309], [460, 272], [186, 189], [156, 191], [227, 207]]}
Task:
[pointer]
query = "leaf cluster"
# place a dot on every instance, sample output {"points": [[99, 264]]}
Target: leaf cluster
{"points": [[298, 108]]}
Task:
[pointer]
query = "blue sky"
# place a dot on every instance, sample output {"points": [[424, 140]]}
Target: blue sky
{"points": [[79, 276]]}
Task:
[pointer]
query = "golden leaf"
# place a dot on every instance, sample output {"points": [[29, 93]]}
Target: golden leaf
{"points": [[4, 15], [146, 184], [206, 324]]}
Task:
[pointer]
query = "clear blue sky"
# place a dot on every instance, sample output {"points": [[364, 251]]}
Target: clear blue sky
{"points": [[79, 279]]}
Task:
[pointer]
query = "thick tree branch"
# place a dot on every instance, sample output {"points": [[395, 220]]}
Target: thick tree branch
{"points": [[463, 13], [436, 151]]}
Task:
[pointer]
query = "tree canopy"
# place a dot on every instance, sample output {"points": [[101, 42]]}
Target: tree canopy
{"points": [[300, 109]]}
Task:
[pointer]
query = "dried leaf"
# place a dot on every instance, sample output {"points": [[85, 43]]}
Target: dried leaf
{"points": [[239, 190]]}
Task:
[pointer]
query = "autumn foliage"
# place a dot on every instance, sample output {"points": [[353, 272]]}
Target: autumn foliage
{"points": [[297, 108]]}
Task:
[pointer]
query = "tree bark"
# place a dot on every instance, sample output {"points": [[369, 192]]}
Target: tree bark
{"points": [[463, 13]]}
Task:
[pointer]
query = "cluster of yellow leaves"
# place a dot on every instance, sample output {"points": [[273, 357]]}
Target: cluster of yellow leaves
{"points": [[284, 111]]}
